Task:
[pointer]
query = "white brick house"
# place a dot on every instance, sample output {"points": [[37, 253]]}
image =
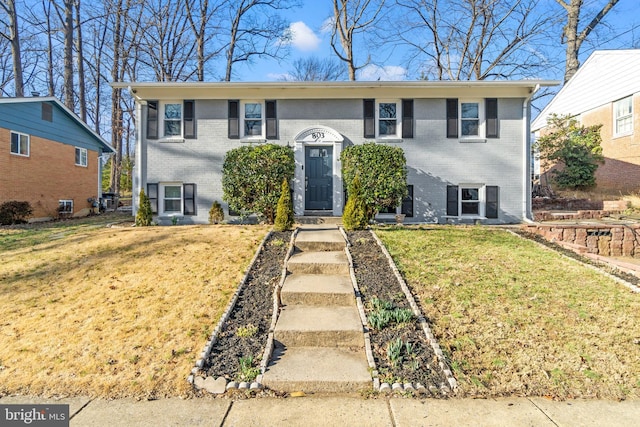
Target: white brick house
{"points": [[467, 144]]}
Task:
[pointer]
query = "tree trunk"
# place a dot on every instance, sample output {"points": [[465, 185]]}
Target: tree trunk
{"points": [[68, 54], [80, 60], [573, 37], [14, 38]]}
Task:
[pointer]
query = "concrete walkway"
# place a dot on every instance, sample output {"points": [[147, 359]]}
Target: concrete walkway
{"points": [[342, 410]]}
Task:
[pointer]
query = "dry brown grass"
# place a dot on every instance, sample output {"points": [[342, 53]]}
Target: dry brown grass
{"points": [[515, 319], [114, 312]]}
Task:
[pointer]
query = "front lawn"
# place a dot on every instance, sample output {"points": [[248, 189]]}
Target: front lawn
{"points": [[516, 319], [113, 312]]}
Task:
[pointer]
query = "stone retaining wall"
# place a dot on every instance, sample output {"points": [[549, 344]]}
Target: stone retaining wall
{"points": [[547, 204], [599, 239]]}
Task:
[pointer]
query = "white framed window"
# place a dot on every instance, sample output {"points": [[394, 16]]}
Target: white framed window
{"points": [[81, 157], [471, 200], [172, 119], [252, 114], [623, 116], [171, 199], [65, 207], [387, 119], [478, 201], [471, 119], [20, 144]]}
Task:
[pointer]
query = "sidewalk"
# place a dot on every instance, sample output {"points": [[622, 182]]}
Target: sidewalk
{"points": [[345, 411]]}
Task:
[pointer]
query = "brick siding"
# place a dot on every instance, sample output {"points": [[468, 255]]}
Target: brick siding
{"points": [[48, 175]]}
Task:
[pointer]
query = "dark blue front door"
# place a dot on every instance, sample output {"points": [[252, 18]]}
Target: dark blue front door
{"points": [[319, 178]]}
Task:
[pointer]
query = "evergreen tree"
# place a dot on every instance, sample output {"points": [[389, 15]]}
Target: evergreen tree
{"points": [[284, 212], [144, 216], [354, 216]]}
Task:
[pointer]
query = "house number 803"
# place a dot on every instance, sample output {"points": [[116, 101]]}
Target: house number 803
{"points": [[317, 135]]}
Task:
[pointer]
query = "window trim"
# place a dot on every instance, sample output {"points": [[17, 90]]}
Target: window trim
{"points": [[488, 201], [64, 203], [242, 120], [188, 198], [397, 119], [163, 120], [481, 120], [19, 135], [161, 199], [617, 134], [81, 157]]}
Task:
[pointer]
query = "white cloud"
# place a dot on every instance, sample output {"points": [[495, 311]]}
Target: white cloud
{"points": [[387, 73], [302, 37]]}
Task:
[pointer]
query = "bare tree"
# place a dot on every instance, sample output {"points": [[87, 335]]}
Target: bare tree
{"points": [[572, 36], [472, 39], [13, 36], [167, 43], [82, 98], [255, 29], [314, 69], [351, 18], [201, 13]]}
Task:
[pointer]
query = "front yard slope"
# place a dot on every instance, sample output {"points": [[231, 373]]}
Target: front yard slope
{"points": [[114, 312], [515, 319]]}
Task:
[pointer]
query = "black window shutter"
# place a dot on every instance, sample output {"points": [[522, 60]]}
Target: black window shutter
{"points": [[152, 119], [272, 120], [234, 119], [491, 209], [452, 200], [491, 111], [189, 196], [189, 119], [369, 118], [407, 202], [452, 118], [152, 193], [407, 118]]}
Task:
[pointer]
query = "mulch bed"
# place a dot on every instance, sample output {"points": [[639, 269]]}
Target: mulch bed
{"points": [[375, 279]]}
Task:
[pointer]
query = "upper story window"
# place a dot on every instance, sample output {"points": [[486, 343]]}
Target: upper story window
{"points": [[81, 156], [472, 120], [172, 119], [20, 144], [388, 118], [623, 116], [252, 119]]}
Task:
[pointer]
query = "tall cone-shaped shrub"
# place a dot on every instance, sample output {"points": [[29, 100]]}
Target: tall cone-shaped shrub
{"points": [[354, 216], [144, 216], [284, 212]]}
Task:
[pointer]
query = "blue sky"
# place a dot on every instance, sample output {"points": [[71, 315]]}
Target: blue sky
{"points": [[309, 39]]}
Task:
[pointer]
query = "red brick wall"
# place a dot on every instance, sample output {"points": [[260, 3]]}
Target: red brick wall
{"points": [[621, 170], [48, 175]]}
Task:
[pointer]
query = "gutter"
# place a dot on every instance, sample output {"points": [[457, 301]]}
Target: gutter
{"points": [[527, 214]]}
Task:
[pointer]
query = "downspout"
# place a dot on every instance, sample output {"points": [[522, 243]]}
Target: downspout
{"points": [[527, 214], [137, 177]]}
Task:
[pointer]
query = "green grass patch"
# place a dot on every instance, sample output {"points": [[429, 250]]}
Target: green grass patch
{"points": [[513, 317]]}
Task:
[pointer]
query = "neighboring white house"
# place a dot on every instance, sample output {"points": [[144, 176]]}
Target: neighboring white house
{"points": [[606, 91], [466, 143]]}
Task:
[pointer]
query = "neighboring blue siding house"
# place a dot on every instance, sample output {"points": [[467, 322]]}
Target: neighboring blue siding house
{"points": [[467, 144], [48, 157]]}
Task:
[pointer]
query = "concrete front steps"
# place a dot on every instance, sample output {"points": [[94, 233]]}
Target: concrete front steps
{"points": [[319, 340]]}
